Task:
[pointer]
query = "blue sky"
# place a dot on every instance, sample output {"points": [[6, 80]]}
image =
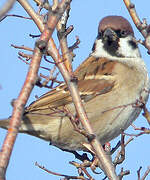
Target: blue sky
{"points": [[84, 16]]}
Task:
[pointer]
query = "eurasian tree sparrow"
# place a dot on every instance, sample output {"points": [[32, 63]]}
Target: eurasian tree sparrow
{"points": [[111, 82]]}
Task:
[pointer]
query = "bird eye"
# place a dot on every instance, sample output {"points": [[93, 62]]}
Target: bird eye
{"points": [[123, 33]]}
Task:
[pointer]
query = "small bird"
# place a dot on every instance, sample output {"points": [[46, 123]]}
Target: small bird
{"points": [[113, 84]]}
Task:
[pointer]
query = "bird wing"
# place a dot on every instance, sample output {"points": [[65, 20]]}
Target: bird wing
{"points": [[94, 78]]}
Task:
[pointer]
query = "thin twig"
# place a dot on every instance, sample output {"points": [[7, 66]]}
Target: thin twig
{"points": [[139, 173], [26, 62], [29, 83], [58, 174], [75, 45], [123, 173], [61, 28], [123, 145], [141, 26], [83, 167], [142, 129], [72, 86], [146, 173], [22, 47], [118, 159], [26, 56], [35, 17], [14, 15]]}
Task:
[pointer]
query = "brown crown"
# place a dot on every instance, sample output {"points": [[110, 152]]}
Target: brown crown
{"points": [[115, 23]]}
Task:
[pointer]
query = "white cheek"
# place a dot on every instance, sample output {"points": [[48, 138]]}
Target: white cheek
{"points": [[126, 50], [99, 49]]}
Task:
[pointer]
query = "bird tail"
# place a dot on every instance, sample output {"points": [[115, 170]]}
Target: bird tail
{"points": [[4, 123]]}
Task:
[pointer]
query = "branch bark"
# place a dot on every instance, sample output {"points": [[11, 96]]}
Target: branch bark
{"points": [[141, 26], [6, 7], [45, 38], [29, 83], [104, 160]]}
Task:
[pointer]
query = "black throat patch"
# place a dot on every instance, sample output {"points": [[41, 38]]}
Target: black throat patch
{"points": [[112, 47]]}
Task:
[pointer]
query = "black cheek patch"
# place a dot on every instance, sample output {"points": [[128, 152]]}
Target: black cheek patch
{"points": [[111, 47], [132, 44]]}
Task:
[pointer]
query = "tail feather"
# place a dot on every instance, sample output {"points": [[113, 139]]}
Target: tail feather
{"points": [[4, 123]]}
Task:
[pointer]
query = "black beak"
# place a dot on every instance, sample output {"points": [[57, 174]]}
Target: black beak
{"points": [[109, 35]]}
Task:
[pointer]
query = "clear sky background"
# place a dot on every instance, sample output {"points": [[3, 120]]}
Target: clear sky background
{"points": [[85, 16]]}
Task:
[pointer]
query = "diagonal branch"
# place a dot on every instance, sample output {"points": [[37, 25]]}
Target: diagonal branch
{"points": [[71, 83], [29, 83], [6, 7]]}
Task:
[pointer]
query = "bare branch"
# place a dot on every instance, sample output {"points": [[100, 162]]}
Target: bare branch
{"points": [[22, 47], [27, 56], [29, 83], [58, 174], [66, 71], [141, 26], [146, 173], [123, 173], [121, 152], [14, 15], [142, 129], [139, 173], [118, 159], [36, 18], [6, 7]]}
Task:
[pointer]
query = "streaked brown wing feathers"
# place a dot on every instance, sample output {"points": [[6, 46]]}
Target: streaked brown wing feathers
{"points": [[54, 98], [90, 84], [97, 87], [95, 66]]}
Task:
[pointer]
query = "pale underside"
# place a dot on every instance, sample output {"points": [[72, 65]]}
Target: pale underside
{"points": [[109, 92]]}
